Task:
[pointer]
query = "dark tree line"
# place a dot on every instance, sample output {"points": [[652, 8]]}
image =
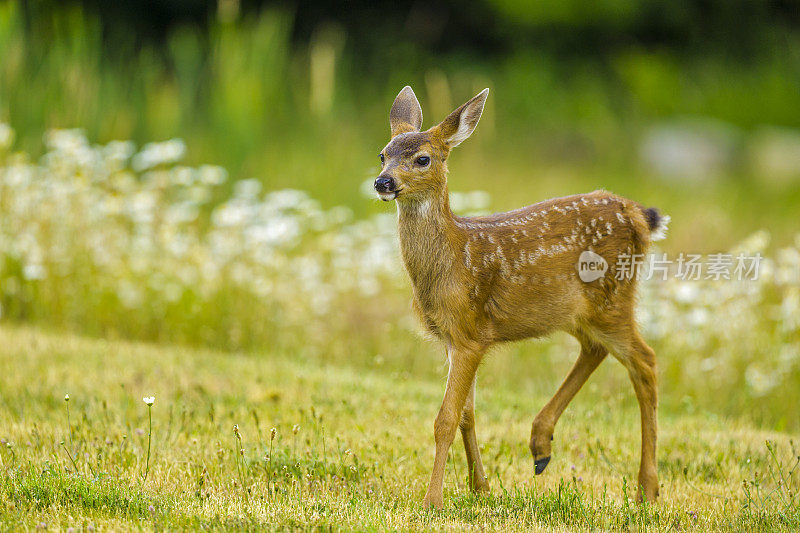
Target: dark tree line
{"points": [[566, 27]]}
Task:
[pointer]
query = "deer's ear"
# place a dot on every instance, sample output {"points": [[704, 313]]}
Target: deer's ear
{"points": [[406, 113], [461, 123]]}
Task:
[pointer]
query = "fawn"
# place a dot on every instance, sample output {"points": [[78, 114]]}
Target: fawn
{"points": [[479, 281]]}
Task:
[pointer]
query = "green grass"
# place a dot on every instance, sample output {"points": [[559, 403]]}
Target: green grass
{"points": [[359, 454]]}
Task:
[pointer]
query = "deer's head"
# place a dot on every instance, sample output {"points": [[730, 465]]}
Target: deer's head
{"points": [[413, 163]]}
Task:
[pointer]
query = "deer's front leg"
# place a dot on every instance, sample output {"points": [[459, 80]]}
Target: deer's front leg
{"points": [[463, 365], [477, 477]]}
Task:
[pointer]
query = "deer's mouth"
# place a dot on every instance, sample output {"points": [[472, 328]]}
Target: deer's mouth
{"points": [[389, 195]]}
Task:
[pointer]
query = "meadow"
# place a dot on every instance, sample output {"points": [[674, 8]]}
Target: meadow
{"points": [[195, 224], [304, 343], [252, 441]]}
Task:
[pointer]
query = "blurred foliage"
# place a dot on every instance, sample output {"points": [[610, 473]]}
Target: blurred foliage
{"points": [[120, 241], [296, 94]]}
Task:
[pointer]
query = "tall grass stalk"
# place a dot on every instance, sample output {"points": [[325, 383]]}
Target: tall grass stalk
{"points": [[239, 456], [149, 402]]}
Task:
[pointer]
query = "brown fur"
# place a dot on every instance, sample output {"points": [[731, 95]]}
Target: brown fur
{"points": [[509, 276]]}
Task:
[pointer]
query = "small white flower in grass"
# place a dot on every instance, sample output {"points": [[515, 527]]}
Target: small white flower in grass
{"points": [[66, 397], [148, 400]]}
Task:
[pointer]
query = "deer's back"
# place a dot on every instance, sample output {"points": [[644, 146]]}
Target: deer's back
{"points": [[522, 265]]}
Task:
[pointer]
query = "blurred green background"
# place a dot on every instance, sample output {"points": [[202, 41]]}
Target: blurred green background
{"points": [[692, 106]]}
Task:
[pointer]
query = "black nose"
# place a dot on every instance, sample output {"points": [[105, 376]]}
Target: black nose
{"points": [[383, 184]]}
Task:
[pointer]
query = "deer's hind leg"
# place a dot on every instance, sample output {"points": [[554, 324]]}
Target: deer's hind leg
{"points": [[592, 354], [640, 361], [477, 476]]}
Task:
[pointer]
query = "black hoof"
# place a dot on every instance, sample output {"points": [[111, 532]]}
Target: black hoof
{"points": [[541, 464]]}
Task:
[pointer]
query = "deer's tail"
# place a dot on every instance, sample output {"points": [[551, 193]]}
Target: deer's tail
{"points": [[656, 222]]}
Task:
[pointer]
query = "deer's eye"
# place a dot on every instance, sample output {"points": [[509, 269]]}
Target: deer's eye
{"points": [[423, 160], [381, 156]]}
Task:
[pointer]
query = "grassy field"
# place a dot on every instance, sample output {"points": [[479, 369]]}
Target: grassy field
{"points": [[347, 446], [195, 221]]}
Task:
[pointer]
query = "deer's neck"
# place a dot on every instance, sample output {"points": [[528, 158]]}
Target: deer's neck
{"points": [[429, 240]]}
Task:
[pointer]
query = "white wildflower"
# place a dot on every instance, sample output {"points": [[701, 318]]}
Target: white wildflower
{"points": [[685, 291], [287, 199], [759, 381], [155, 154], [249, 188], [212, 175], [6, 136], [33, 271], [119, 151]]}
